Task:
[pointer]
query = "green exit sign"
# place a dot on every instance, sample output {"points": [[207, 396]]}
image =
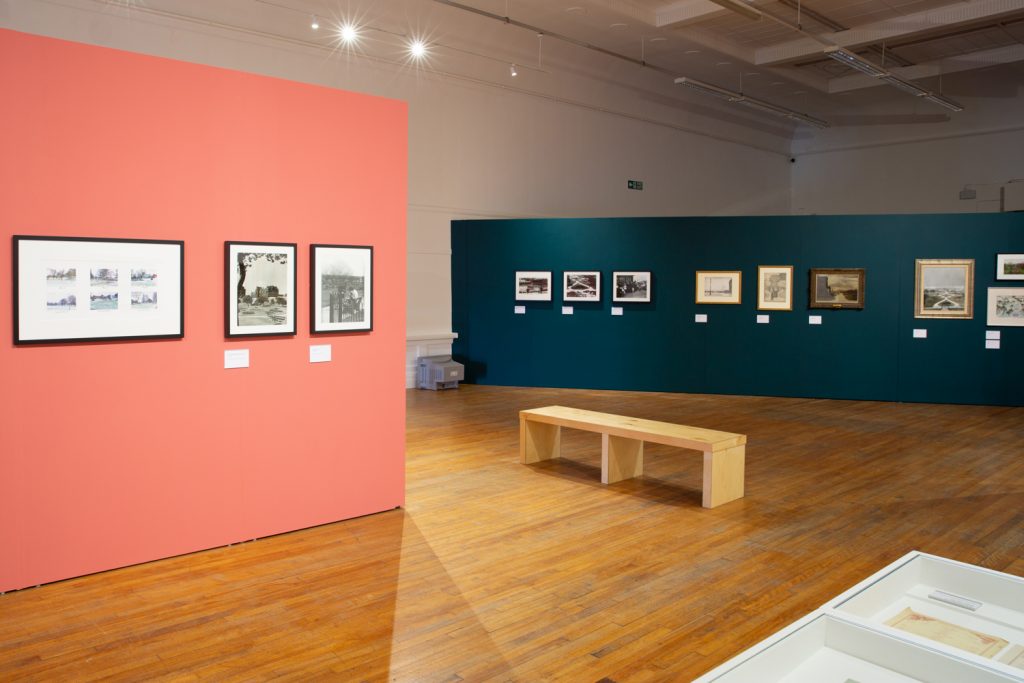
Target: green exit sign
{"points": [[635, 184]]}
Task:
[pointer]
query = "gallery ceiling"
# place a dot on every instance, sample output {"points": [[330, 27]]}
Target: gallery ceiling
{"points": [[775, 53]]}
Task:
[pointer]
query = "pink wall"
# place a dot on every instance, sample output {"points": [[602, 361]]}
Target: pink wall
{"points": [[102, 143]]}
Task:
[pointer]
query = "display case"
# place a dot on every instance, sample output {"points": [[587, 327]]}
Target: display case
{"points": [[922, 618]]}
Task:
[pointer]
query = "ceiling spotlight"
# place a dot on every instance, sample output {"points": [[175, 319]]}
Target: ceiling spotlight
{"points": [[418, 49], [513, 71], [348, 33], [314, 24]]}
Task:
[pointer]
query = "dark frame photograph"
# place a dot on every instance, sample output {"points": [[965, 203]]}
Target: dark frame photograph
{"points": [[340, 288], [259, 289], [533, 285], [837, 288], [631, 286], [581, 285], [1010, 266], [92, 289]]}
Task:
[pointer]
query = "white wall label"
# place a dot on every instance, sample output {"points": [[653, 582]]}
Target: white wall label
{"points": [[763, 319], [616, 310], [520, 310], [992, 334], [700, 317], [920, 334], [814, 320], [566, 310], [992, 343], [320, 353], [236, 358]]}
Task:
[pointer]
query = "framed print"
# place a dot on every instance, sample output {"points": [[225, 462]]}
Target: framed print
{"points": [[1005, 307], [631, 286], [837, 288], [1010, 266], [775, 288], [259, 280], [581, 285], [533, 285], [944, 288], [340, 288], [74, 289], [718, 286]]}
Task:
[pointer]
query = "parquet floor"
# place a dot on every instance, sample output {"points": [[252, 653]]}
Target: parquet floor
{"points": [[496, 571]]}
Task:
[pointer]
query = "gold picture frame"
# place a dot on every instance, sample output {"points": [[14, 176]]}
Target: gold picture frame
{"points": [[775, 288], [944, 288], [719, 286]]}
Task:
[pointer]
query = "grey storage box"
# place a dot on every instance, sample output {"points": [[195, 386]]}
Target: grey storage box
{"points": [[439, 372]]}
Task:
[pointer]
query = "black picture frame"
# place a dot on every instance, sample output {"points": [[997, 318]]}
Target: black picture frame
{"points": [[352, 283], [153, 306], [254, 310]]}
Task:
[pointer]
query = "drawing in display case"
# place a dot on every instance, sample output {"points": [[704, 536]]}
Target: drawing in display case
{"points": [[922, 618]]}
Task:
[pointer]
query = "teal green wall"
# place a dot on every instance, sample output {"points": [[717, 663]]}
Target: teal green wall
{"points": [[854, 354]]}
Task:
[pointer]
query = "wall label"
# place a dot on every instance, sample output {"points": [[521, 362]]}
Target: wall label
{"points": [[236, 358]]}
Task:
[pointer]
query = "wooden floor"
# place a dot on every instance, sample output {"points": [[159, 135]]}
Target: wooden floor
{"points": [[498, 571]]}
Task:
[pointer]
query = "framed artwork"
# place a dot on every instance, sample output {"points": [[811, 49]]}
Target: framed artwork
{"points": [[1010, 266], [340, 288], [75, 289], [631, 286], [718, 286], [944, 288], [259, 289], [581, 285], [1006, 306], [775, 288], [837, 288], [533, 285]]}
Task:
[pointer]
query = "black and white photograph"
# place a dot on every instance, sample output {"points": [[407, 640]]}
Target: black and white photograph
{"points": [[1005, 307], [775, 288], [341, 288], [581, 285], [718, 286], [837, 288], [95, 289], [260, 294], [631, 286], [1010, 266], [533, 285], [944, 288]]}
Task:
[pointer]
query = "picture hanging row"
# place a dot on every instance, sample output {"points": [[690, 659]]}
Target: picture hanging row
{"points": [[944, 288], [77, 289]]}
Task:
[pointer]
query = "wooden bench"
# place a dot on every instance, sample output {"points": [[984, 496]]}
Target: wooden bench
{"points": [[622, 446]]}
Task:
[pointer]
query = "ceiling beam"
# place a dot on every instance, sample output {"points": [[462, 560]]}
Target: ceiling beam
{"points": [[928, 21]]}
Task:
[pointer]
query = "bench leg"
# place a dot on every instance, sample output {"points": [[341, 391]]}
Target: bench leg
{"points": [[621, 458], [538, 441], [723, 475]]}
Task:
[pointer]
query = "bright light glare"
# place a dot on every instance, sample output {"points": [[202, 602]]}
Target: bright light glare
{"points": [[348, 33], [418, 49], [314, 24]]}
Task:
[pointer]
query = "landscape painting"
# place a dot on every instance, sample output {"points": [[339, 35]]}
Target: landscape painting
{"points": [[944, 288], [631, 286], [1010, 266], [260, 280], [718, 286], [581, 285], [775, 288], [70, 289], [837, 288], [1006, 306], [341, 288], [533, 285]]}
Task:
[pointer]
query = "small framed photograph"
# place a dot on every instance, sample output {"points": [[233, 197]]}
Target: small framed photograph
{"points": [[837, 288], [631, 286], [533, 285], [259, 296], [775, 288], [719, 286], [77, 289], [1010, 266], [944, 288], [340, 288], [581, 285], [1006, 306]]}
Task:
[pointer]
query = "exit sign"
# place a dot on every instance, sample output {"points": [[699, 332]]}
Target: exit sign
{"points": [[635, 184]]}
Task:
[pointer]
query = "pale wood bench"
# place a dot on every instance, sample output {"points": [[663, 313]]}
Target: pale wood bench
{"points": [[622, 446]]}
